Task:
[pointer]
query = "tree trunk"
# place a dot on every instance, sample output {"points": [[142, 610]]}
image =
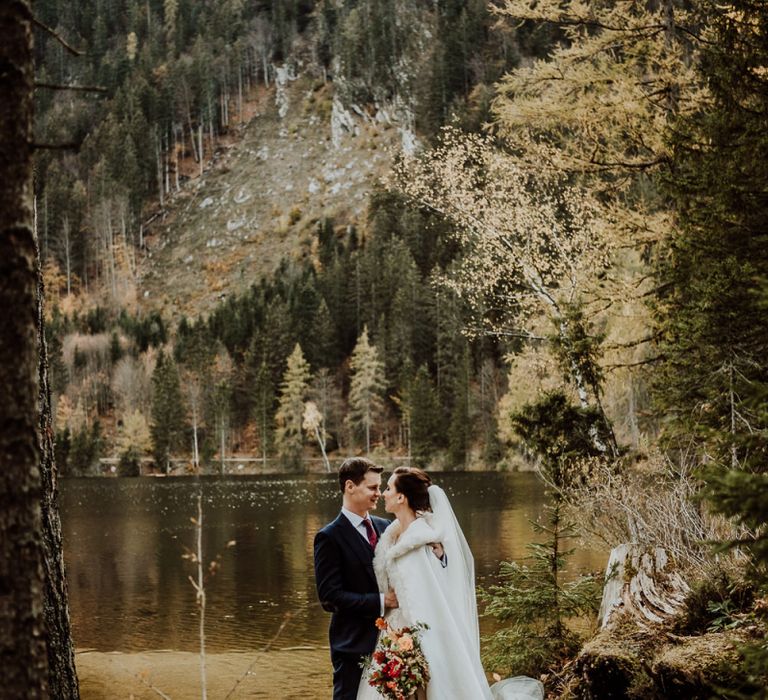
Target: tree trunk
{"points": [[111, 248], [46, 221], [222, 444], [166, 163], [263, 433], [22, 644], [211, 126], [176, 155], [62, 676], [634, 428], [192, 136], [159, 165], [67, 254], [199, 586], [321, 442], [195, 451], [240, 94], [368, 429], [200, 145]]}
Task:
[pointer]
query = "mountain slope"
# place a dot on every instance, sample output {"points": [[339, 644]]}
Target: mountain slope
{"points": [[260, 200]]}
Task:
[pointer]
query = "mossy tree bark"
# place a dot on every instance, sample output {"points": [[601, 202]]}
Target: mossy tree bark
{"points": [[22, 643], [61, 654]]}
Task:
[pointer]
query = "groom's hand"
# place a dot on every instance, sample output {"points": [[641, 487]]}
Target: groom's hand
{"points": [[390, 599]]}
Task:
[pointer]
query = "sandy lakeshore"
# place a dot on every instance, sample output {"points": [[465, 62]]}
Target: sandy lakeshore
{"points": [[292, 673]]}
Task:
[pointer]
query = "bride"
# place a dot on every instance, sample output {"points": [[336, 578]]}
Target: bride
{"points": [[424, 557]]}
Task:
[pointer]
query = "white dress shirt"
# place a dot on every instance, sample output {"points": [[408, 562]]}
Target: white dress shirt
{"points": [[357, 523]]}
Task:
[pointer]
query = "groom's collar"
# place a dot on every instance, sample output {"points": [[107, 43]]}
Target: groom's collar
{"points": [[354, 518]]}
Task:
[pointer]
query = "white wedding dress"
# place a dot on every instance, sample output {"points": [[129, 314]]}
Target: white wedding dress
{"points": [[444, 598]]}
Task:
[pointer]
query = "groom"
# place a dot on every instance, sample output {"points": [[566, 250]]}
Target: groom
{"points": [[346, 584]]}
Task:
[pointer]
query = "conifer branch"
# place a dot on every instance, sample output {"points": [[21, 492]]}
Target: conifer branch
{"points": [[641, 165], [55, 35], [75, 88], [622, 365], [56, 146]]}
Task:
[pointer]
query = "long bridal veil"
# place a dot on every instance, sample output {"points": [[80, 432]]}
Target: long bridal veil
{"points": [[461, 566], [461, 572]]}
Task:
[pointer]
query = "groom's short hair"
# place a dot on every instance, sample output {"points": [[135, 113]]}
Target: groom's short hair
{"points": [[354, 469]]}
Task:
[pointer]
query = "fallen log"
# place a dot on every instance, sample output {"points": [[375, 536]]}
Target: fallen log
{"points": [[691, 669]]}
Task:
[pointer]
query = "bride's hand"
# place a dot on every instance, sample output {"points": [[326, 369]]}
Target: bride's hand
{"points": [[437, 549]]}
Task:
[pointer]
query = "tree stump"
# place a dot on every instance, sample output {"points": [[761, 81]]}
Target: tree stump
{"points": [[641, 591], [641, 581]]}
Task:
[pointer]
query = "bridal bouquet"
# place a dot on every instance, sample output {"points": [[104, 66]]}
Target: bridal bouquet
{"points": [[398, 668]]}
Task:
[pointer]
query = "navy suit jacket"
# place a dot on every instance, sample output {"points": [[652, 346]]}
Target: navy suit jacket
{"points": [[346, 585]]}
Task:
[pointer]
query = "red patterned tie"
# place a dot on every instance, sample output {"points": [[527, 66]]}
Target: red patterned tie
{"points": [[372, 538]]}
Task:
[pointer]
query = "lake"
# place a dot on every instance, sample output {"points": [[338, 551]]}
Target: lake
{"points": [[124, 542]]}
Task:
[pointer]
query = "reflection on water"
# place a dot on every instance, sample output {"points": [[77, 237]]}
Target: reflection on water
{"points": [[128, 583]]}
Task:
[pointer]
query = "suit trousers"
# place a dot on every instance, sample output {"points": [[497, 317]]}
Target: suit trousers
{"points": [[346, 675]]}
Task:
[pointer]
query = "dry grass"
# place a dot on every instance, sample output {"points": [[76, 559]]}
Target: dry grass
{"points": [[652, 502]]}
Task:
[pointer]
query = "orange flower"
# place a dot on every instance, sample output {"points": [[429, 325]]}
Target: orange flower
{"points": [[381, 623], [406, 642]]}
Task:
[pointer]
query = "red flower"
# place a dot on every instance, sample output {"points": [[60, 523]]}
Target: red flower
{"points": [[379, 657], [392, 669]]}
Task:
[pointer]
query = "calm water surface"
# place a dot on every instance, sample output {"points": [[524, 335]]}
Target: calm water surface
{"points": [[124, 543]]}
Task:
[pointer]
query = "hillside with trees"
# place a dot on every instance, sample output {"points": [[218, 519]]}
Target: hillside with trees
{"points": [[222, 193]]}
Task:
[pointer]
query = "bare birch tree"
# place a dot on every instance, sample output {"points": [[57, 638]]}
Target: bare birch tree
{"points": [[534, 245]]}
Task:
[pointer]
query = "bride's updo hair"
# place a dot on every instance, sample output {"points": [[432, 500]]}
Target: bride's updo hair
{"points": [[414, 484]]}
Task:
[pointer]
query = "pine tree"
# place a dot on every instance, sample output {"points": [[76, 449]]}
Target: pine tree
{"points": [[713, 320], [535, 601], [290, 412], [425, 417], [714, 381], [460, 429], [167, 425], [323, 345], [534, 598], [85, 449], [367, 386]]}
